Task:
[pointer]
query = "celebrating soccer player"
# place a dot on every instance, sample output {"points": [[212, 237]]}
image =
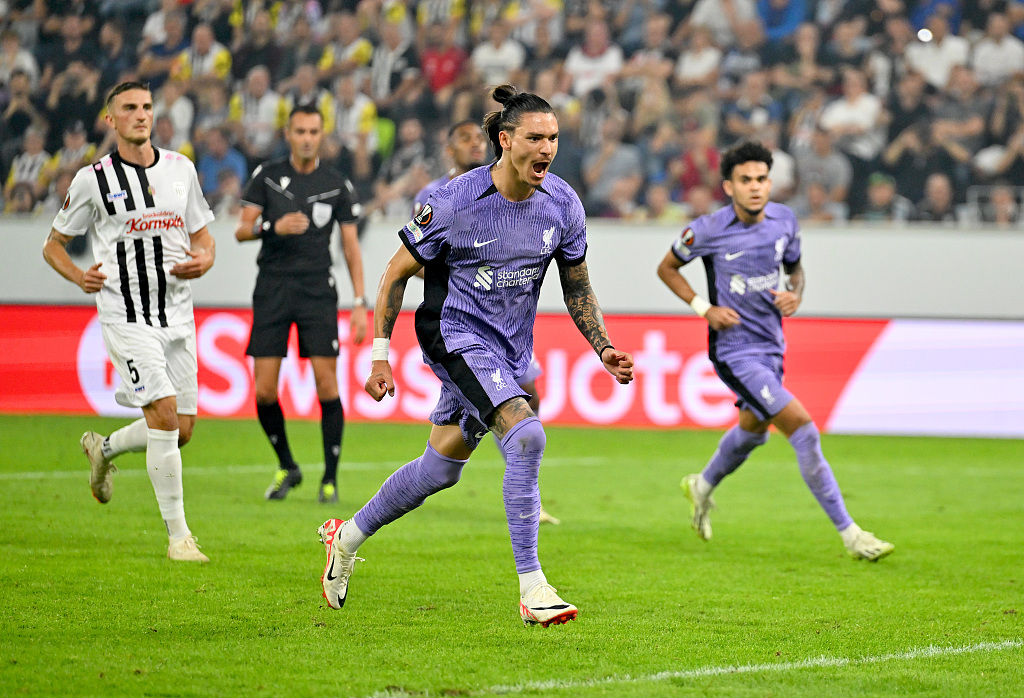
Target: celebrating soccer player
{"points": [[742, 246], [485, 241], [149, 221], [299, 200]]}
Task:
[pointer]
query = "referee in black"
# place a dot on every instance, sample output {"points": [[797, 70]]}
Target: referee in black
{"points": [[291, 204]]}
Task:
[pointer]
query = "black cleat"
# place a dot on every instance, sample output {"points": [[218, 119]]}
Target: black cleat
{"points": [[284, 480]]}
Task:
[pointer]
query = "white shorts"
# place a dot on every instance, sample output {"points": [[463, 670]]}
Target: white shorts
{"points": [[154, 363]]}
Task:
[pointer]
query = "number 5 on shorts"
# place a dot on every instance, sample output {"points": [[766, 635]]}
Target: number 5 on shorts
{"points": [[134, 372]]}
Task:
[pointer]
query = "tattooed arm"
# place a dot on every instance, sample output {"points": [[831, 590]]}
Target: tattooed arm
{"points": [[586, 313], [789, 300], [390, 294]]}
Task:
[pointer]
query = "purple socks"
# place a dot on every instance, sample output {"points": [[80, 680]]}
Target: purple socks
{"points": [[732, 451], [818, 474], [407, 488], [523, 447]]}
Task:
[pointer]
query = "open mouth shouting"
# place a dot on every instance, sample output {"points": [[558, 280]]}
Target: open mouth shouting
{"points": [[540, 168]]}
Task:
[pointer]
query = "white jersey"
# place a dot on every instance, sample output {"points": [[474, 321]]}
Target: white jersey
{"points": [[142, 218]]}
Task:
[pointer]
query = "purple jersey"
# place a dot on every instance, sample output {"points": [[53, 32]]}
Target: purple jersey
{"points": [[484, 259], [742, 265], [420, 200]]}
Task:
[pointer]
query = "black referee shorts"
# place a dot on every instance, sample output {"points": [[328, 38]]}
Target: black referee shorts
{"points": [[310, 303]]}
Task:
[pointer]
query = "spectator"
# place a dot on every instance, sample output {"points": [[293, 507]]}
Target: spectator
{"points": [[649, 64], [799, 65], [1002, 208], [534, 21], [847, 48], [156, 64], [805, 118], [356, 119], [258, 49], [884, 204], [445, 14], [22, 200], [936, 57], [781, 18], [612, 167], [218, 156], [1011, 164], [173, 103], [921, 12], [937, 206], [906, 105], [444, 65], [212, 110], [395, 84], [998, 56], [498, 60], [700, 201], [823, 164], [962, 112], [300, 49], [660, 208], [76, 153], [698, 65], [698, 165], [653, 107], [659, 150], [73, 48], [854, 121], [815, 207], [59, 192], [206, 60], [116, 58], [545, 53], [74, 98], [783, 171], [594, 63], [154, 31], [347, 51], [257, 115], [723, 18], [15, 58], [752, 114], [226, 201], [404, 173], [21, 112], [27, 166], [307, 91], [743, 57], [165, 137], [916, 154]]}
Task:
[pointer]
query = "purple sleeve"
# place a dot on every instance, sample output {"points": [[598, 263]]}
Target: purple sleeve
{"points": [[573, 249], [693, 242], [426, 235], [792, 253]]}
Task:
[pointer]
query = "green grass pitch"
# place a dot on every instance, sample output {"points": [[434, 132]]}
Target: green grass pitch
{"points": [[772, 606]]}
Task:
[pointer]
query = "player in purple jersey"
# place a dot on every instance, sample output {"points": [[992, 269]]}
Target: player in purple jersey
{"points": [[467, 149], [742, 246], [485, 241]]}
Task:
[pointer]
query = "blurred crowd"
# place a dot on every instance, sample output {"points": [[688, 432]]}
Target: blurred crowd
{"points": [[876, 110]]}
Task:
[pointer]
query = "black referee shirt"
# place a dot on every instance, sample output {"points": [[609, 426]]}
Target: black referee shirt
{"points": [[324, 195]]}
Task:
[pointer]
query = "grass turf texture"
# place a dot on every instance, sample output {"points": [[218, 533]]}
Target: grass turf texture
{"points": [[91, 605]]}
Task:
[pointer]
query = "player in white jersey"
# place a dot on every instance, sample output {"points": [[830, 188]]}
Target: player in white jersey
{"points": [[149, 222]]}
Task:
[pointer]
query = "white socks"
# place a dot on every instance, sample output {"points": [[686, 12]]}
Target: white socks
{"points": [[528, 580], [350, 537], [130, 439], [163, 461], [702, 486]]}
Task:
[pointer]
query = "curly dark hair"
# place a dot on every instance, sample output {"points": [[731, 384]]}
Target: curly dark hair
{"points": [[748, 151]]}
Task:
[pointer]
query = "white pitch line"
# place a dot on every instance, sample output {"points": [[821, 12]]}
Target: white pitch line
{"points": [[704, 672], [267, 467]]}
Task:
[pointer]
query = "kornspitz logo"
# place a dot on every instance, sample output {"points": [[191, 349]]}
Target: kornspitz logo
{"points": [[484, 278]]}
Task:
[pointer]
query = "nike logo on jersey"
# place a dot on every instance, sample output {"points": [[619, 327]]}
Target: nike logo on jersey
{"points": [[477, 243], [729, 256]]}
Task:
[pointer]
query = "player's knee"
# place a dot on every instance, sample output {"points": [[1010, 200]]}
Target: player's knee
{"points": [[266, 396], [525, 437], [755, 438], [443, 472], [184, 433]]}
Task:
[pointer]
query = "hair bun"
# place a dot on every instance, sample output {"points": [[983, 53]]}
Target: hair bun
{"points": [[503, 93]]}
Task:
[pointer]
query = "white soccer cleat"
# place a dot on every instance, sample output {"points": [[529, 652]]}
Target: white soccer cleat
{"points": [[547, 518], [101, 475], [186, 550], [864, 545], [702, 506], [339, 564], [542, 605]]}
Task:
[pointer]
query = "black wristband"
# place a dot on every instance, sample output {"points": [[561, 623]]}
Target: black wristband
{"points": [[600, 354]]}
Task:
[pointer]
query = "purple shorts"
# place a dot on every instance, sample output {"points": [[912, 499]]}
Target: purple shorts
{"points": [[757, 383], [473, 383]]}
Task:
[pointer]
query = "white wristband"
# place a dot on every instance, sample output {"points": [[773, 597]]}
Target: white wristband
{"points": [[700, 306], [380, 349]]}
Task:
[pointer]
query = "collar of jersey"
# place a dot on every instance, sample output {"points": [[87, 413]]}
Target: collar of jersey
{"points": [[117, 156]]}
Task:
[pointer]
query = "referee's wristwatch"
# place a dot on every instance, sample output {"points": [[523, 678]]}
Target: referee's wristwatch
{"points": [[359, 302]]}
